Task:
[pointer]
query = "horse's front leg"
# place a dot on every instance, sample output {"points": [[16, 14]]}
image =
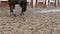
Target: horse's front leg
{"points": [[11, 11]]}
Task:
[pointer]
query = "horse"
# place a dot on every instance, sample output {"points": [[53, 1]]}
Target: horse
{"points": [[22, 4]]}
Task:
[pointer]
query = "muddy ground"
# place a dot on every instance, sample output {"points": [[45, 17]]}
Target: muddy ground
{"points": [[33, 22]]}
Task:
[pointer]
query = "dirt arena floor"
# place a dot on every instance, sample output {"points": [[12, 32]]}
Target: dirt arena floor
{"points": [[33, 22]]}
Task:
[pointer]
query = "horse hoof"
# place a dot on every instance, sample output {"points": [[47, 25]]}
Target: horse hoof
{"points": [[14, 15], [22, 14]]}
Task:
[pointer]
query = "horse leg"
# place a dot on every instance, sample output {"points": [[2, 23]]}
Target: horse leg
{"points": [[11, 11], [13, 6], [23, 10]]}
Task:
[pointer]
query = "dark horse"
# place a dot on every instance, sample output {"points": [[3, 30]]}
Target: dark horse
{"points": [[22, 3]]}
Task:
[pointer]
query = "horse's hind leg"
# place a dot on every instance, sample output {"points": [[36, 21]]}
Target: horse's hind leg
{"points": [[13, 6], [11, 11], [23, 10]]}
